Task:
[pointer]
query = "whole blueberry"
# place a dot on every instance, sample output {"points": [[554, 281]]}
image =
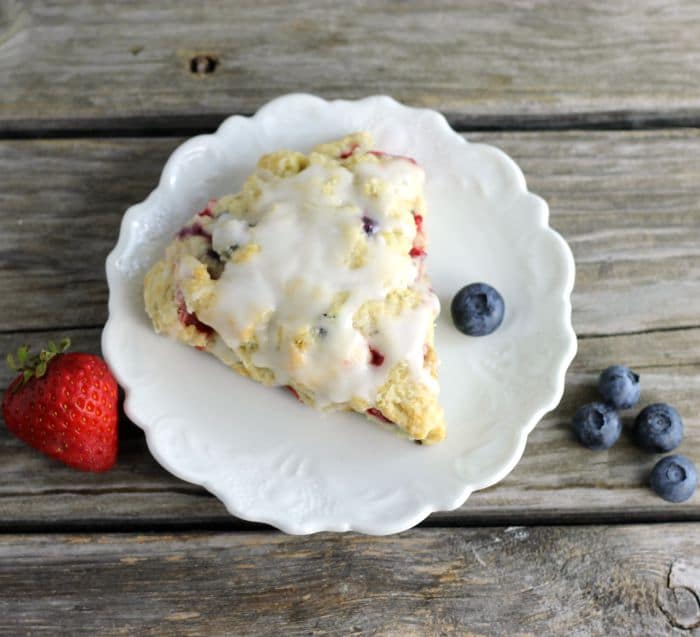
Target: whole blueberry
{"points": [[597, 426], [477, 309], [674, 478], [658, 428], [619, 386]]}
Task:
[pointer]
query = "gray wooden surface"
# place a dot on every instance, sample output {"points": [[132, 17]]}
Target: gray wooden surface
{"points": [[93, 94], [556, 480], [510, 582], [127, 65], [625, 201]]}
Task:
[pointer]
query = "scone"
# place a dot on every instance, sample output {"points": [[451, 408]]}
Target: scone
{"points": [[312, 277]]}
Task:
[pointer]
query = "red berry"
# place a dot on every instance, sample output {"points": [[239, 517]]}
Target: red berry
{"points": [[373, 411], [69, 413], [417, 250], [376, 358], [195, 230], [349, 151], [207, 212], [190, 318], [294, 392]]}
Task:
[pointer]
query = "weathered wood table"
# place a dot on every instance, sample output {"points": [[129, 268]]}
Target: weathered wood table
{"points": [[597, 101]]}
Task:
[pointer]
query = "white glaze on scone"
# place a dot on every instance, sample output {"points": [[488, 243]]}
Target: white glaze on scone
{"points": [[312, 277]]}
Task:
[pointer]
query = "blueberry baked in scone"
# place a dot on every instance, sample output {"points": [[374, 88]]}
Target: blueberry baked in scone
{"points": [[312, 277]]}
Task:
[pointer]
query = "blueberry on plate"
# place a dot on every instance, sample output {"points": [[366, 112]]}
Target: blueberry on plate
{"points": [[658, 428], [477, 309], [619, 386], [674, 478], [597, 426]]}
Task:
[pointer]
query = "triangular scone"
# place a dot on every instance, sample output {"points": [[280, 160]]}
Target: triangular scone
{"points": [[312, 277]]}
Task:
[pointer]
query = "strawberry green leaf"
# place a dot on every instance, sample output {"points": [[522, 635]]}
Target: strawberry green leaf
{"points": [[30, 366], [22, 355]]}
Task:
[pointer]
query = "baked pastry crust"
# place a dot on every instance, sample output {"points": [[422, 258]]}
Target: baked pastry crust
{"points": [[312, 277]]}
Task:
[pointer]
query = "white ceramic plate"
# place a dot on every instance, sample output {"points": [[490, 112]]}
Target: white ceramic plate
{"points": [[269, 458]]}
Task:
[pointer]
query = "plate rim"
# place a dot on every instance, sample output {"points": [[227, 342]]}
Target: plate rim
{"points": [[296, 527]]}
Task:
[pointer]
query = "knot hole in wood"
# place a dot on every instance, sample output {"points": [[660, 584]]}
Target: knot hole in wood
{"points": [[680, 599], [203, 63]]}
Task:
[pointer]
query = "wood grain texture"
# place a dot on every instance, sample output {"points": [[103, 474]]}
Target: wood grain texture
{"points": [[61, 203], [627, 203], [515, 582], [557, 480], [127, 65]]}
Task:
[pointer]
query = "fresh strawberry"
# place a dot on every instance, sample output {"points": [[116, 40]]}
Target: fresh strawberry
{"points": [[64, 405]]}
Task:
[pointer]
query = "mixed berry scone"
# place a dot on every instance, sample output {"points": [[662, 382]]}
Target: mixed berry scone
{"points": [[312, 277]]}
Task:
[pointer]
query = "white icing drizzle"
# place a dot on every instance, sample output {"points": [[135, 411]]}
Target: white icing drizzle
{"points": [[229, 233], [305, 226]]}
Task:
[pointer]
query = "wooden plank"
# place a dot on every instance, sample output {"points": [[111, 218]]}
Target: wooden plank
{"points": [[61, 203], [556, 481], [628, 206], [515, 581], [127, 66], [625, 201]]}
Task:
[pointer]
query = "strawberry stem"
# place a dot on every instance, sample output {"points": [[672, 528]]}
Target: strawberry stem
{"points": [[35, 366]]}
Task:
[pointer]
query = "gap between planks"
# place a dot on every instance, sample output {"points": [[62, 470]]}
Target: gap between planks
{"points": [[158, 127], [436, 521], [525, 64]]}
